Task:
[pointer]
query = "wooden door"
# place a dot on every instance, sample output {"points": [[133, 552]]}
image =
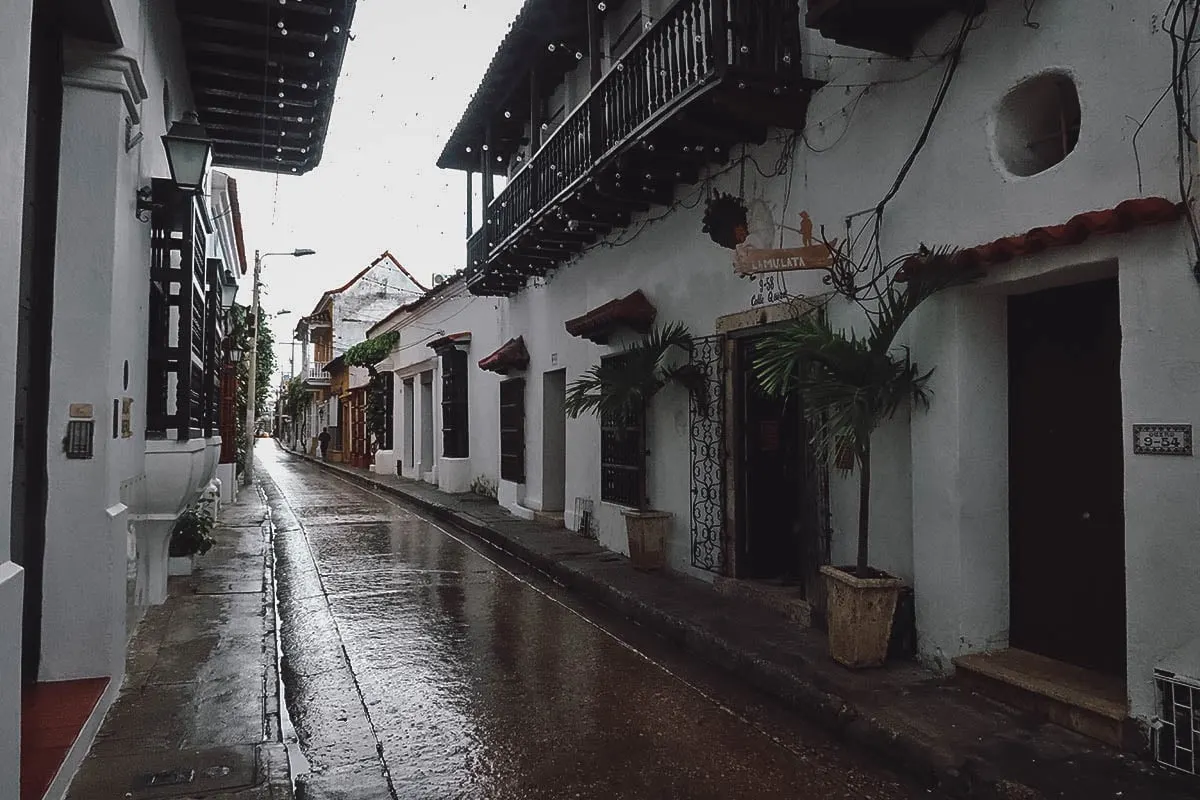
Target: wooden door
{"points": [[1066, 484], [771, 479]]}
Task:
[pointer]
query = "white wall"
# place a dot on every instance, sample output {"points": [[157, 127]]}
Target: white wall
{"points": [[452, 311], [100, 322], [939, 507], [14, 89], [377, 293]]}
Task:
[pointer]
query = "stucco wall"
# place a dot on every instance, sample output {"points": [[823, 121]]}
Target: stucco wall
{"points": [[14, 88], [100, 307], [939, 513], [453, 311]]}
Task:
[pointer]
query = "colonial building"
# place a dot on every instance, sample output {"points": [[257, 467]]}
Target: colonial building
{"points": [[339, 320], [1045, 502], [123, 253], [445, 417]]}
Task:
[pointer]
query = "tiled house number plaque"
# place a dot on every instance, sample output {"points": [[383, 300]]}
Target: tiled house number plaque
{"points": [[1162, 440]]}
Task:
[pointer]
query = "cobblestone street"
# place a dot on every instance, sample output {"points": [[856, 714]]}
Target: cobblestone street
{"points": [[414, 657]]}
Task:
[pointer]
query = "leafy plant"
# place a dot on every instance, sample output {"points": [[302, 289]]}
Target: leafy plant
{"points": [[623, 386], [190, 535], [368, 354], [849, 384], [241, 334], [484, 487]]}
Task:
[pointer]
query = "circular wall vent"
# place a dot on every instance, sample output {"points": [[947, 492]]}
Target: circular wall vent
{"points": [[1036, 125]]}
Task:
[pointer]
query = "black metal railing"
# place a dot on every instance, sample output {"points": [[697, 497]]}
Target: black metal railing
{"points": [[691, 47]]}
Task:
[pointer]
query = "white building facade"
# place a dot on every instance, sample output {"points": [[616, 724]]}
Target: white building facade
{"points": [[117, 274], [445, 417], [1030, 506], [339, 320]]}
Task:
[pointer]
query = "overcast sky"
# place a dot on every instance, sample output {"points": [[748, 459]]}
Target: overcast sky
{"points": [[409, 72]]}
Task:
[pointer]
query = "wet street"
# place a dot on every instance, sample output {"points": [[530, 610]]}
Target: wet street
{"points": [[420, 663]]}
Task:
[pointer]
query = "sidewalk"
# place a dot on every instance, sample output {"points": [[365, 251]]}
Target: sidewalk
{"points": [[198, 713], [912, 719]]}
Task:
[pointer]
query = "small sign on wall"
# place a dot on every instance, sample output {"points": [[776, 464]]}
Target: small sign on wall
{"points": [[1162, 440]]}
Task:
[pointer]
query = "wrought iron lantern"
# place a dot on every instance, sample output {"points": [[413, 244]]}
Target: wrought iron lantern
{"points": [[189, 153], [229, 289], [233, 352]]}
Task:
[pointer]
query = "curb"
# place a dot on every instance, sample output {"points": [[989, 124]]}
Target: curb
{"points": [[899, 749]]}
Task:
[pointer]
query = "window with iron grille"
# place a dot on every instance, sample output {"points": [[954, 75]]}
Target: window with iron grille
{"points": [[1177, 739], [455, 430], [623, 456], [512, 430]]}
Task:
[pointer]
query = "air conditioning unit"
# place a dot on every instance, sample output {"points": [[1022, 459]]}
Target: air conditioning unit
{"points": [[1177, 720]]}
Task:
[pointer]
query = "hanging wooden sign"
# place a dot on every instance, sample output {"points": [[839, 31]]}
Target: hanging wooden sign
{"points": [[752, 260]]}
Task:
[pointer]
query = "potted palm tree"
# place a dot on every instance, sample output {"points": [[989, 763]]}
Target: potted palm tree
{"points": [[622, 388], [189, 538], [849, 385]]}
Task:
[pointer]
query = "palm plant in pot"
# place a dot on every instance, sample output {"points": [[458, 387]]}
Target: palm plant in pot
{"points": [[848, 385], [190, 538], [619, 390]]}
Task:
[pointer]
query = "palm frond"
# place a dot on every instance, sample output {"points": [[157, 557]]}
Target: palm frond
{"points": [[626, 383]]}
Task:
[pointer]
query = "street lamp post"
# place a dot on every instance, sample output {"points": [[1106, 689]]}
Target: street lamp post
{"points": [[251, 378]]}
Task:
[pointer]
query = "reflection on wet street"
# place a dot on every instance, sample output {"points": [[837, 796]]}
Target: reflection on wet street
{"points": [[418, 667]]}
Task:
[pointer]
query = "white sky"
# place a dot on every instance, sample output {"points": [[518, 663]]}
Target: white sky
{"points": [[407, 78]]}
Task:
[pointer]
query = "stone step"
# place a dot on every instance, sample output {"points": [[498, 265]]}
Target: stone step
{"points": [[550, 518], [788, 600], [1075, 698]]}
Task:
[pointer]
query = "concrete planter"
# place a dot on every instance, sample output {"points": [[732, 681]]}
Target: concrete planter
{"points": [[860, 613], [180, 565], [647, 532]]}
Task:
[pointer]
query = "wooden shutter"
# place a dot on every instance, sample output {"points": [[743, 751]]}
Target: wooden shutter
{"points": [[456, 440], [512, 430]]}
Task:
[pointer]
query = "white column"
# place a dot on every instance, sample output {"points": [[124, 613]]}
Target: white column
{"points": [[100, 286], [14, 98], [960, 477]]}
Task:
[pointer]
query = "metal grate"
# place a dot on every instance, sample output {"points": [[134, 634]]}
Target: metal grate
{"points": [[1177, 735], [707, 456], [78, 442], [583, 513]]}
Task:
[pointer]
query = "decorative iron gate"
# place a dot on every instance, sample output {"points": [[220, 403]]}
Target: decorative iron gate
{"points": [[708, 456]]}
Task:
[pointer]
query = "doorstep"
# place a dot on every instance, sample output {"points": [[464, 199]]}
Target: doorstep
{"points": [[1078, 699], [913, 720], [785, 599]]}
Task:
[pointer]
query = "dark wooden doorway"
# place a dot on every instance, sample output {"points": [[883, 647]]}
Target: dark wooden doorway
{"points": [[1066, 482], [772, 481]]}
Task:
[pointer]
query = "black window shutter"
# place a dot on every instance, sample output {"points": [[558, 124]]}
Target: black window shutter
{"points": [[456, 439], [512, 430]]}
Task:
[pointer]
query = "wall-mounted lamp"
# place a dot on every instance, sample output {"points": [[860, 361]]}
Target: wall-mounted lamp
{"points": [[229, 289], [189, 155], [233, 352]]}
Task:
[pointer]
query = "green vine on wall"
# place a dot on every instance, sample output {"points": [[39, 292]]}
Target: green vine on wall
{"points": [[372, 351], [368, 354]]}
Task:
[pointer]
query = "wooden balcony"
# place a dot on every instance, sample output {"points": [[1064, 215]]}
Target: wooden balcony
{"points": [[885, 26], [706, 77]]}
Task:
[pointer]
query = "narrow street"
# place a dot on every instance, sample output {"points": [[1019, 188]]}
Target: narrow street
{"points": [[420, 657]]}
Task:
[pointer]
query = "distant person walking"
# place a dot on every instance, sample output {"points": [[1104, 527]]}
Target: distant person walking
{"points": [[324, 441]]}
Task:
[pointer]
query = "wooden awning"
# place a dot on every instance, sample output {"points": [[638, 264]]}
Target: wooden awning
{"points": [[512, 356], [633, 311], [450, 342]]}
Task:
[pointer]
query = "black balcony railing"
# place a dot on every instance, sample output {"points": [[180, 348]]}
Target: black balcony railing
{"points": [[750, 48]]}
